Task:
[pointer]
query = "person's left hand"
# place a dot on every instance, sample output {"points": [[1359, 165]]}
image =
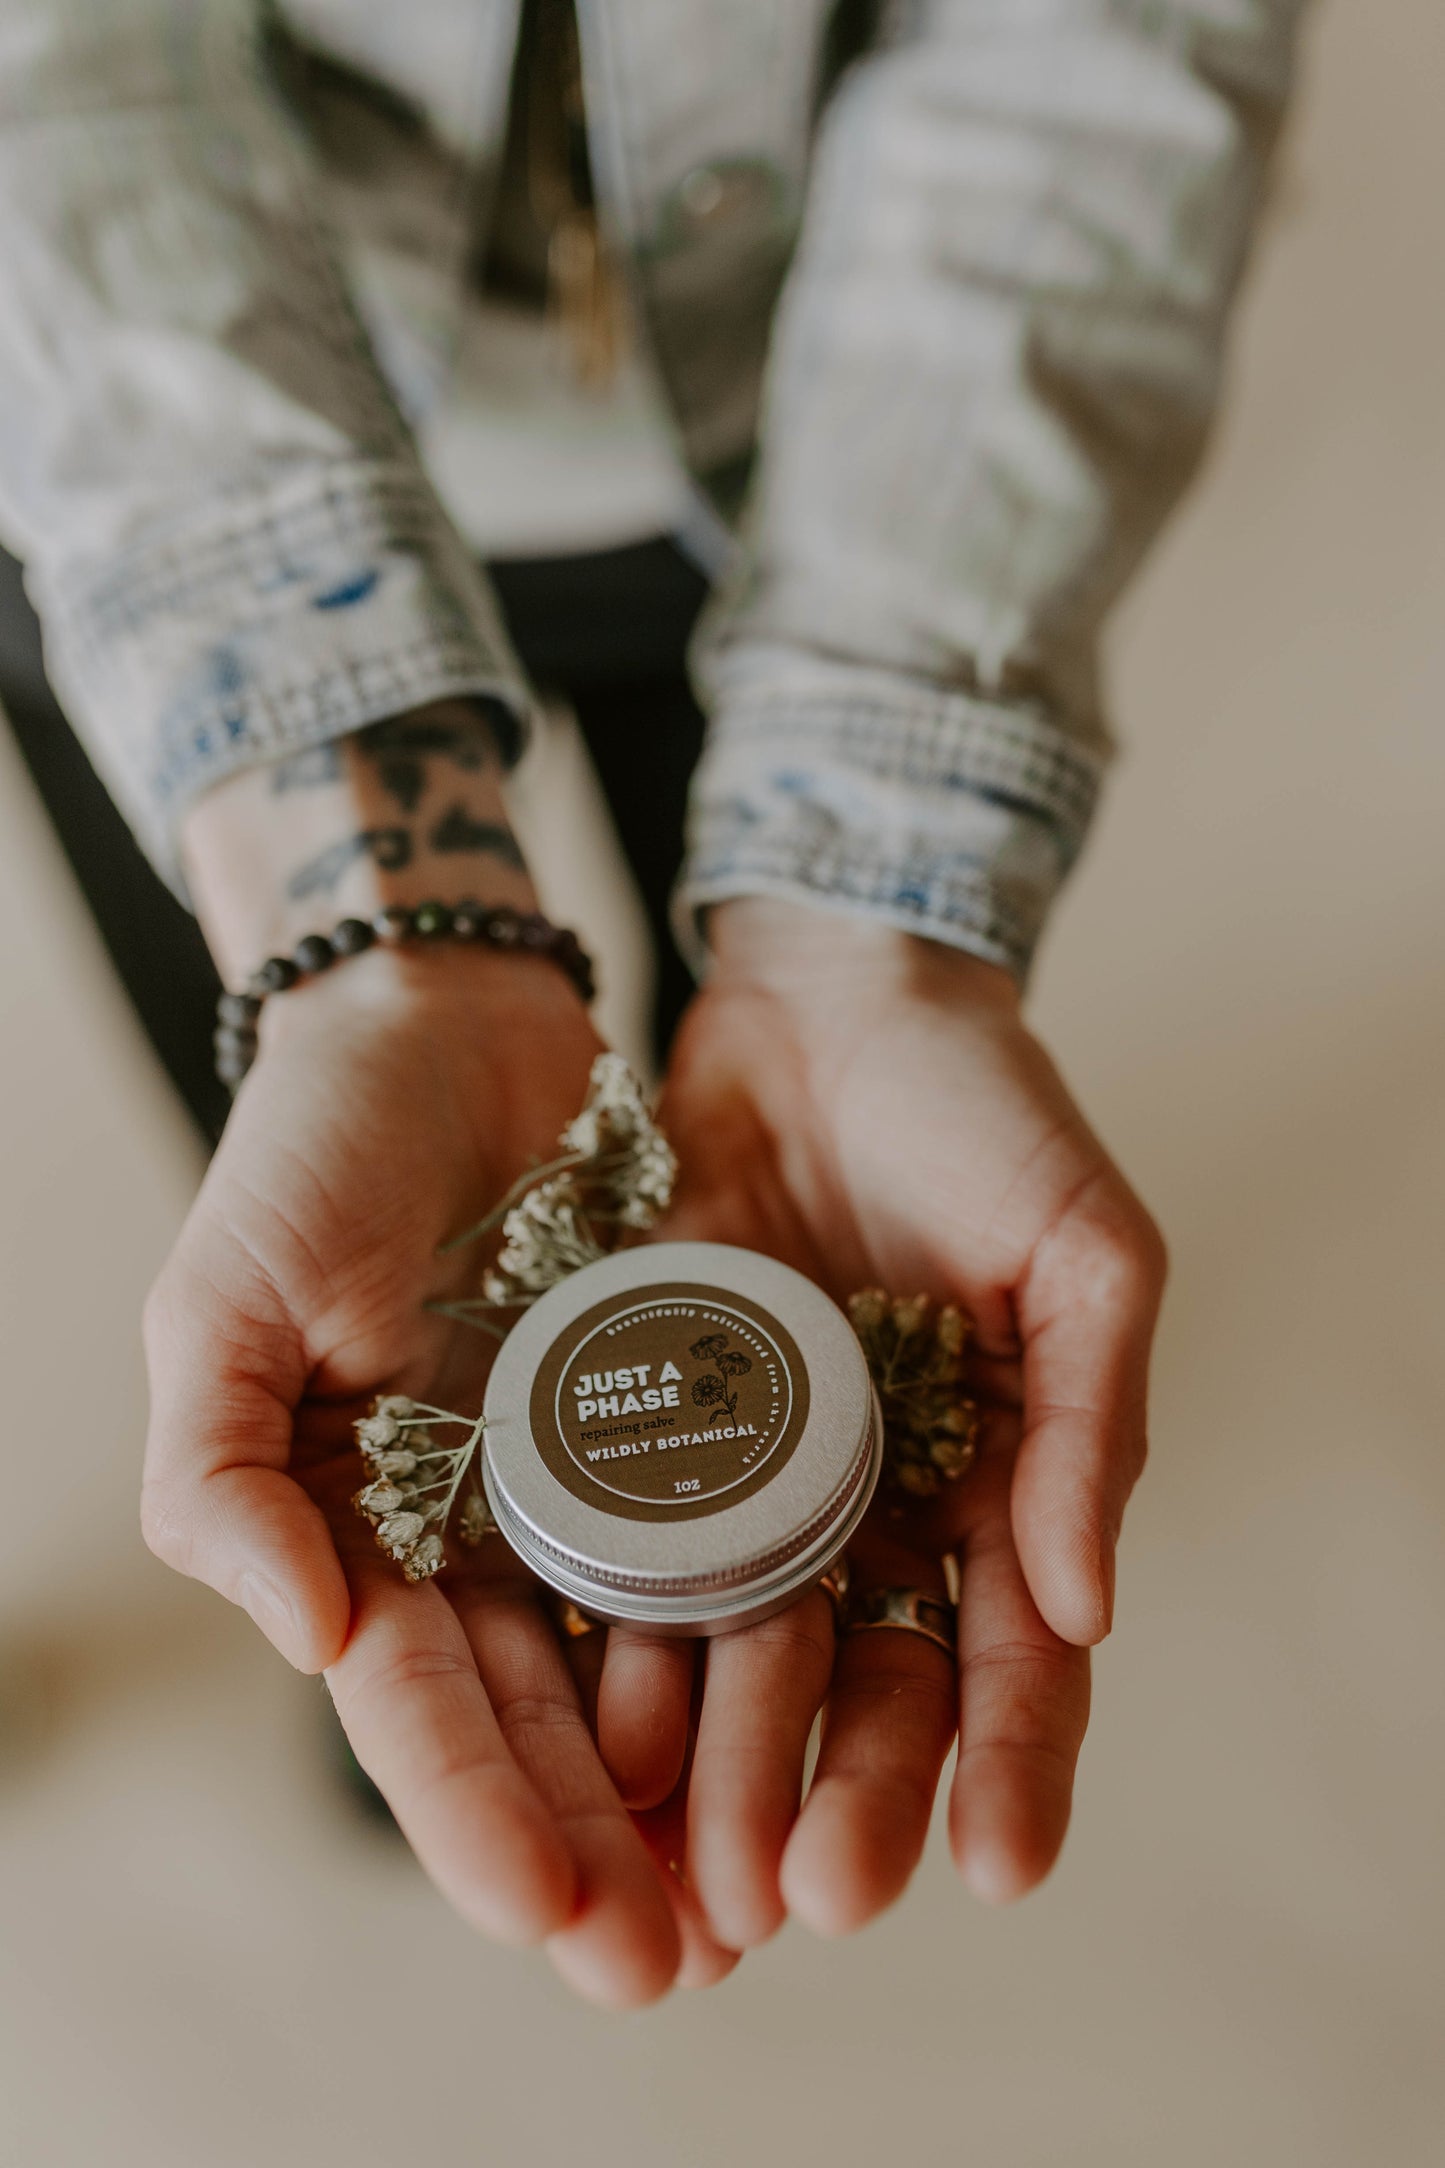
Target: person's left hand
{"points": [[870, 1108]]}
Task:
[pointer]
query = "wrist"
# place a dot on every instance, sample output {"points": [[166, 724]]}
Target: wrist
{"points": [[399, 814], [430, 989], [813, 955], [439, 1042], [406, 980]]}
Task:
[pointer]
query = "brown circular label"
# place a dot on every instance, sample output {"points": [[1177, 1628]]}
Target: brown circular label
{"points": [[673, 1401]]}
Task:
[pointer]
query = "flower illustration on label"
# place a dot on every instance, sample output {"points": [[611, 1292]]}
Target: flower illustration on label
{"points": [[710, 1389]]}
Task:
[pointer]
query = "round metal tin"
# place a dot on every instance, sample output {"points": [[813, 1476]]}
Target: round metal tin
{"points": [[684, 1435]]}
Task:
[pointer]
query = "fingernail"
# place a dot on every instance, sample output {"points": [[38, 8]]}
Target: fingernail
{"points": [[268, 1606]]}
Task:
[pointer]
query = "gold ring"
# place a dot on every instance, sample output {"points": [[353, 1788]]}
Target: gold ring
{"points": [[572, 1621], [906, 1610], [835, 1584]]}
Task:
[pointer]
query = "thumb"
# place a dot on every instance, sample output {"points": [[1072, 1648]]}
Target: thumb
{"points": [[1087, 1311], [227, 1368]]}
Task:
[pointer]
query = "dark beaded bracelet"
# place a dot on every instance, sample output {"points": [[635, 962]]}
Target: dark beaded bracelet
{"points": [[496, 926]]}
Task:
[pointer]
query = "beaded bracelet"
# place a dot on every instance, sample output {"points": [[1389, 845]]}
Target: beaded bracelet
{"points": [[495, 926]]}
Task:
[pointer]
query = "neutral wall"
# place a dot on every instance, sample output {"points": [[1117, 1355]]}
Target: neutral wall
{"points": [[208, 1965]]}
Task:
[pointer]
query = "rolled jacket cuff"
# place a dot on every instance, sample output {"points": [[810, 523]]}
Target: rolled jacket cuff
{"points": [[279, 621], [950, 816]]}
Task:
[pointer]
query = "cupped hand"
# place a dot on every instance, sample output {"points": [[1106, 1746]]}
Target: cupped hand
{"points": [[870, 1108], [392, 1103]]}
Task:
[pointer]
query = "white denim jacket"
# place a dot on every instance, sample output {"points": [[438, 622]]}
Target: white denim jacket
{"points": [[940, 333]]}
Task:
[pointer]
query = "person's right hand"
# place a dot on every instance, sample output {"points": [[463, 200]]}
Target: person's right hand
{"points": [[392, 1103]]}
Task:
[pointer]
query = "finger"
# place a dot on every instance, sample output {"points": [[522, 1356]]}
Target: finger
{"points": [[620, 1945], [762, 1690], [931, 1527], [584, 1653], [226, 1370], [663, 1830], [642, 1712], [407, 1693], [705, 1961], [1024, 1705], [887, 1728], [1087, 1311]]}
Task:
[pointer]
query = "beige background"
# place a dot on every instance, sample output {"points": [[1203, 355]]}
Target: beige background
{"points": [[207, 1965]]}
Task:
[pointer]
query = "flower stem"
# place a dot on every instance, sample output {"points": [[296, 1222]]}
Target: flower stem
{"points": [[461, 1313], [499, 1210], [465, 1457]]}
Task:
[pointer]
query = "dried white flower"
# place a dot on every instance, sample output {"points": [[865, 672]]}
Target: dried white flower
{"points": [[399, 1531], [615, 1174], [401, 1462], [476, 1519], [425, 1559], [628, 1154], [547, 1236], [383, 1497], [409, 1517], [646, 1189], [615, 1111], [380, 1432]]}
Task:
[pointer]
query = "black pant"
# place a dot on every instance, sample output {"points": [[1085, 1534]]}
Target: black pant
{"points": [[608, 632]]}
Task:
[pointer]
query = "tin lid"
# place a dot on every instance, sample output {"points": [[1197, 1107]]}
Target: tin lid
{"points": [[680, 1434]]}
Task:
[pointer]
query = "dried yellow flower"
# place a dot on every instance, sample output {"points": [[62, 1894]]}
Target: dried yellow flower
{"points": [[909, 1313], [868, 1310], [916, 1355]]}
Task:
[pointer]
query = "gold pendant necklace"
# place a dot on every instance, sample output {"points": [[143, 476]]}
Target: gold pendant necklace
{"points": [[583, 296]]}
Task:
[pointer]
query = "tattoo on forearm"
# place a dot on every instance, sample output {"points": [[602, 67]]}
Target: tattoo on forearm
{"points": [[306, 770], [403, 779], [402, 751], [467, 742], [460, 831], [389, 848], [457, 834], [403, 747]]}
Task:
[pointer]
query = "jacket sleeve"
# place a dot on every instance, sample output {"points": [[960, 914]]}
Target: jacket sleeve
{"points": [[993, 368], [226, 532]]}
